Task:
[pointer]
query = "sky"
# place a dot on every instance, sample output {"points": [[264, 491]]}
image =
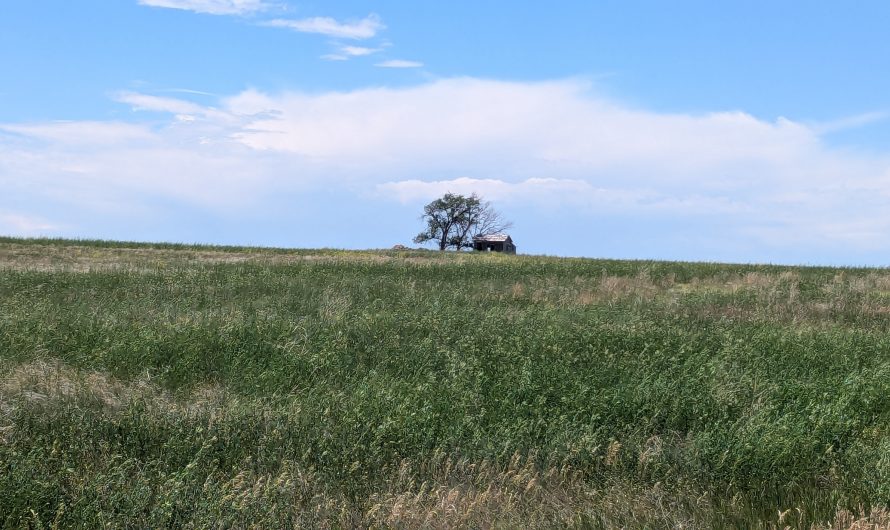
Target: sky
{"points": [[741, 131]]}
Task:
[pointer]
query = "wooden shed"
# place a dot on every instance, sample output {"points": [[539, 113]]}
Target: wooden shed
{"points": [[494, 243]]}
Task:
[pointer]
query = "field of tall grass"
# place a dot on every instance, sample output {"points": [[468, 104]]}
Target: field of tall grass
{"points": [[189, 386]]}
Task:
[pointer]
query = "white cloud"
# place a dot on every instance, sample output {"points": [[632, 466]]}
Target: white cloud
{"points": [[526, 129], [414, 190], [399, 63], [555, 144], [213, 7], [80, 133], [344, 53], [360, 29], [189, 91], [183, 110], [156, 103], [12, 223], [119, 167], [358, 51], [851, 122], [574, 193]]}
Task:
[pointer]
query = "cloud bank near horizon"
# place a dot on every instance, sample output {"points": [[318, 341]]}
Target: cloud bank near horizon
{"points": [[557, 147]]}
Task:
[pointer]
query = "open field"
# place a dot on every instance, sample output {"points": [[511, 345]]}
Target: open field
{"points": [[172, 385]]}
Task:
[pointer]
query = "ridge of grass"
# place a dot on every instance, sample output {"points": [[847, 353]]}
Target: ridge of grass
{"points": [[192, 386]]}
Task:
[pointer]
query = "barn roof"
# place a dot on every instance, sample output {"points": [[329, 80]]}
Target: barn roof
{"points": [[492, 238]]}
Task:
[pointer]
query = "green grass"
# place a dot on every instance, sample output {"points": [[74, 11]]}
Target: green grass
{"points": [[190, 386]]}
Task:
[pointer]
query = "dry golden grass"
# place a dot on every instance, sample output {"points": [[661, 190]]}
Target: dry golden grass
{"points": [[777, 292], [49, 383], [618, 287], [875, 519], [581, 291], [74, 258]]}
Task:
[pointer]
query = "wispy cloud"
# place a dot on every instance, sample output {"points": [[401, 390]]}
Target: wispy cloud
{"points": [[571, 193], [358, 51], [851, 122], [184, 111], [140, 101], [344, 53], [188, 91], [365, 28], [360, 29], [82, 133], [24, 225], [399, 63], [212, 7]]}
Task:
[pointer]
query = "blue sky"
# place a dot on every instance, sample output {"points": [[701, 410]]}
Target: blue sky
{"points": [[729, 131]]}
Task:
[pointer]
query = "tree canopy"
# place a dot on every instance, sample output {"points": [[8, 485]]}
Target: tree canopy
{"points": [[453, 220]]}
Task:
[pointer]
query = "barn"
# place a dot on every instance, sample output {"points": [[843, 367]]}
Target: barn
{"points": [[494, 243]]}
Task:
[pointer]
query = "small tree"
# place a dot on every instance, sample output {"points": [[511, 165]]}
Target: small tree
{"points": [[453, 220]]}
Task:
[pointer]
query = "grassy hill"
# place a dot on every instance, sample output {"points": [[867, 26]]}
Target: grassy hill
{"points": [[189, 386]]}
